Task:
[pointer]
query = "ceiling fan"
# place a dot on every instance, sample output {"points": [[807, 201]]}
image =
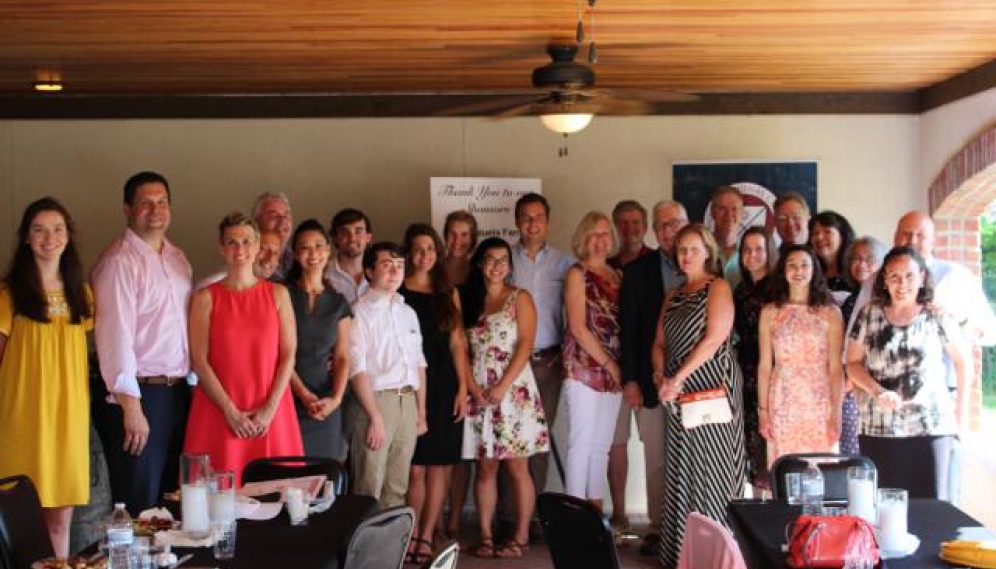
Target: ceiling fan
{"points": [[567, 96]]}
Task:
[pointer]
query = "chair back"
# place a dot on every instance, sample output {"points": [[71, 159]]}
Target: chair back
{"points": [[708, 544], [279, 467], [445, 558], [380, 541], [576, 533], [23, 534], [832, 466]]}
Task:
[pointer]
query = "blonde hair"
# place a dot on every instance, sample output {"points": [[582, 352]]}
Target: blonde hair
{"points": [[586, 226], [712, 261]]}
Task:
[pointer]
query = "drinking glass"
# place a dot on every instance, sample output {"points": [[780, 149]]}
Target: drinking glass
{"points": [[224, 538], [195, 472], [297, 506], [861, 483], [893, 505], [222, 499]]}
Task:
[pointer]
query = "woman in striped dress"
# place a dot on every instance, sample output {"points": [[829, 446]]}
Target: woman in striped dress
{"points": [[705, 465]]}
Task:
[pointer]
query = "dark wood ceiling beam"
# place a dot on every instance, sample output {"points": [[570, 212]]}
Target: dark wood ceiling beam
{"points": [[960, 86], [414, 105]]}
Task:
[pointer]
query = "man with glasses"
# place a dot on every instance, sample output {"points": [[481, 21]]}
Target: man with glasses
{"points": [[646, 282], [272, 213], [792, 219]]}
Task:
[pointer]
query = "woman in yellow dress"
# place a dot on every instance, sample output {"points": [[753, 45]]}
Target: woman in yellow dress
{"points": [[45, 311]]}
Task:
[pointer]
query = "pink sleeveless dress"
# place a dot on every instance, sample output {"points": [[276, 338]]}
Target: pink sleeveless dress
{"points": [[799, 389], [244, 341]]}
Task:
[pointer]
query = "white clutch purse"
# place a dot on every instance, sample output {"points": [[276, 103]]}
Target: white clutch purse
{"points": [[708, 407]]}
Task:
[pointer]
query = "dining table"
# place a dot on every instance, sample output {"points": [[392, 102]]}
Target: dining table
{"points": [[275, 543], [759, 527]]}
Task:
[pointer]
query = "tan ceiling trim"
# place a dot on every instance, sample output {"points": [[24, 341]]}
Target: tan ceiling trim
{"points": [[973, 81], [414, 105]]}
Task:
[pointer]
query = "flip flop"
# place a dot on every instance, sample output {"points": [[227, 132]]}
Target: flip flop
{"points": [[511, 549], [485, 548]]}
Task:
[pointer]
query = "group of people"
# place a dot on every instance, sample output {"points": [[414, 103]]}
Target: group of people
{"points": [[417, 360]]}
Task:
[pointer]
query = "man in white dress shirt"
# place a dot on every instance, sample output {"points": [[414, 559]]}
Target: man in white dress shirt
{"points": [[387, 373]]}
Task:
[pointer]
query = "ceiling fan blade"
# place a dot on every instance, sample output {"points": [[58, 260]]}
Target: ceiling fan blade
{"points": [[649, 95], [521, 110], [491, 105], [610, 106]]}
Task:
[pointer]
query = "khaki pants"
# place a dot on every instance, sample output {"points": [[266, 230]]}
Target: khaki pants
{"points": [[383, 473]]}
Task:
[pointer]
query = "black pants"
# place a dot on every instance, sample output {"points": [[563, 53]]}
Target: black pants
{"points": [[139, 481]]}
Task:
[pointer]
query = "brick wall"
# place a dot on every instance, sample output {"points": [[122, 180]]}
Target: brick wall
{"points": [[961, 193]]}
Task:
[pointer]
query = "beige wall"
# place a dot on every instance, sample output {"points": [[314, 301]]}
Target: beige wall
{"points": [[945, 130], [867, 165]]}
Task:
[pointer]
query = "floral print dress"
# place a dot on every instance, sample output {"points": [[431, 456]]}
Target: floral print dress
{"points": [[515, 427], [799, 389]]}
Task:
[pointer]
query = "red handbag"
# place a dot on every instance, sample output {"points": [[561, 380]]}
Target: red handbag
{"points": [[828, 541]]}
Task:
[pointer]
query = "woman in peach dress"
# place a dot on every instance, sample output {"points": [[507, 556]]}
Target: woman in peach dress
{"points": [[800, 376]]}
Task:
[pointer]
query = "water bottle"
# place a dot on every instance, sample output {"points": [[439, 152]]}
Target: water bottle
{"points": [[120, 536], [812, 490]]}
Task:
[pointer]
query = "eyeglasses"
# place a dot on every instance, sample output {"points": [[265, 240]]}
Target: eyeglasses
{"points": [[859, 259], [671, 224], [794, 218]]}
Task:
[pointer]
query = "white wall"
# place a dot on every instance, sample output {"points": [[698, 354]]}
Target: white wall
{"points": [[867, 166], [867, 170], [946, 129]]}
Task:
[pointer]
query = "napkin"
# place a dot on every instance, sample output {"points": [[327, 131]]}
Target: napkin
{"points": [[178, 538], [311, 485], [265, 511]]}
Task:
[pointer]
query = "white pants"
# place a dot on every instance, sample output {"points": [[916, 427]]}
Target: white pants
{"points": [[592, 424]]}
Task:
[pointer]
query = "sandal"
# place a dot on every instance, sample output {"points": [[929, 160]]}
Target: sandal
{"points": [[416, 557], [485, 548], [511, 549]]}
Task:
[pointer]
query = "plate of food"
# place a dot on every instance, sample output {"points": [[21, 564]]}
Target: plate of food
{"points": [[70, 563], [149, 526]]}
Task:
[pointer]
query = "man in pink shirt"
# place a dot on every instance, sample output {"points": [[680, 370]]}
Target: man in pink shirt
{"points": [[142, 284]]}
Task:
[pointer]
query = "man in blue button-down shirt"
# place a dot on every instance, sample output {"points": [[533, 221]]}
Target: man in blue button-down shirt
{"points": [[540, 269]]}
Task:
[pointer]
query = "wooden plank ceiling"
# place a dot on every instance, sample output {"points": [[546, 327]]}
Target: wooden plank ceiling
{"points": [[101, 47]]}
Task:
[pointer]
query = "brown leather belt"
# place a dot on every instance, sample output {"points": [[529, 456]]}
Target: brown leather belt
{"points": [[166, 380], [546, 353], [406, 390]]}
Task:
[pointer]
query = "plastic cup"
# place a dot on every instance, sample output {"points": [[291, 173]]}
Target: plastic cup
{"points": [[224, 539], [793, 488]]}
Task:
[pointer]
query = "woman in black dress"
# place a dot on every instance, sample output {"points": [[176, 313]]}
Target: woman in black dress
{"points": [[322, 316], [428, 291], [757, 254]]}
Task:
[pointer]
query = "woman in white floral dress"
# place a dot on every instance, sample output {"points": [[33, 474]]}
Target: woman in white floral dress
{"points": [[505, 421]]}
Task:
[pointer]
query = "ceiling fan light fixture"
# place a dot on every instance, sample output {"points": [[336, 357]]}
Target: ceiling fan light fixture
{"points": [[47, 86], [566, 123]]}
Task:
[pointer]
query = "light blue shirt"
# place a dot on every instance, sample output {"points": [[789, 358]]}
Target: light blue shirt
{"points": [[670, 273], [544, 279]]}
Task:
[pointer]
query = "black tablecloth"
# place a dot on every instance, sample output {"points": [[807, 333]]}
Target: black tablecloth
{"points": [[275, 544], [759, 527]]}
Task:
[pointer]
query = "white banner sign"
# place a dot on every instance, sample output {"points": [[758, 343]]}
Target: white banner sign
{"points": [[491, 200]]}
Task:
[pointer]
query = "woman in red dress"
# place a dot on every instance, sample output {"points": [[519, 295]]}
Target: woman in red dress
{"points": [[242, 344]]}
